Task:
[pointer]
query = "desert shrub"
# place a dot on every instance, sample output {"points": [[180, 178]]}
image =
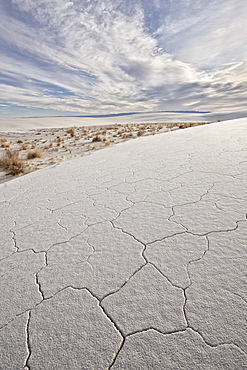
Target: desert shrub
{"points": [[4, 143], [11, 163], [96, 138], [128, 136], [71, 131], [84, 131], [140, 133], [24, 147], [34, 154]]}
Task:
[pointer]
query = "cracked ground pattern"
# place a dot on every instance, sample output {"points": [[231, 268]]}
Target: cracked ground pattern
{"points": [[131, 258]]}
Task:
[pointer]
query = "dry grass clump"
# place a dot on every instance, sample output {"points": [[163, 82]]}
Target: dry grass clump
{"points": [[24, 147], [58, 141], [4, 143], [128, 136], [11, 163], [84, 131], [97, 138], [140, 132], [34, 154], [71, 131]]}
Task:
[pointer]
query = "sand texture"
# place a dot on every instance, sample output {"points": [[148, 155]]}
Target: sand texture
{"points": [[133, 257]]}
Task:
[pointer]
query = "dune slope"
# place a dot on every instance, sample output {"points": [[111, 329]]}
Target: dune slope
{"points": [[129, 258]]}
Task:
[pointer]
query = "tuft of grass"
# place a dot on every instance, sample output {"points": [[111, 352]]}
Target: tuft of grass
{"points": [[24, 147], [71, 131], [97, 138], [34, 154], [128, 136], [140, 133], [11, 163], [4, 143]]}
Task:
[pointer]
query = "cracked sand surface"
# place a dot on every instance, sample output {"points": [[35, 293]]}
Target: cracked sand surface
{"points": [[131, 258]]}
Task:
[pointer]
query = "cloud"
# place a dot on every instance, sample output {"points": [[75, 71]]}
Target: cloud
{"points": [[111, 56]]}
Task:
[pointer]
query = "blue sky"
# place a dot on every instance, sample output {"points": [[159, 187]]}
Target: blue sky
{"points": [[71, 57]]}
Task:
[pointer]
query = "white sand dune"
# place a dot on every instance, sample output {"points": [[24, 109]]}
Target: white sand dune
{"points": [[129, 258], [16, 124]]}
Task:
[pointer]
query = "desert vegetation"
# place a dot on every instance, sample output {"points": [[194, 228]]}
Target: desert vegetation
{"points": [[12, 163], [25, 152], [35, 153]]}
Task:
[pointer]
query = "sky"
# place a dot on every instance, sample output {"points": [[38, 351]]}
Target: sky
{"points": [[73, 57]]}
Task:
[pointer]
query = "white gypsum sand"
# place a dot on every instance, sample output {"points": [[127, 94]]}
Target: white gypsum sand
{"points": [[132, 257]]}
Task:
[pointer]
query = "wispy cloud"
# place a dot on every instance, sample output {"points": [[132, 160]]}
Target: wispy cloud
{"points": [[114, 56]]}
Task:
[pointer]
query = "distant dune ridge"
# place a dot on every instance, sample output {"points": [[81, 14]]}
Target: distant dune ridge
{"points": [[16, 124]]}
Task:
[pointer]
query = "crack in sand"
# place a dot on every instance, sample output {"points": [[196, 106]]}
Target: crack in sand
{"points": [[126, 281], [217, 231], [175, 286], [194, 261], [176, 222], [14, 240], [28, 342], [216, 345], [172, 333], [99, 305], [132, 236]]}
